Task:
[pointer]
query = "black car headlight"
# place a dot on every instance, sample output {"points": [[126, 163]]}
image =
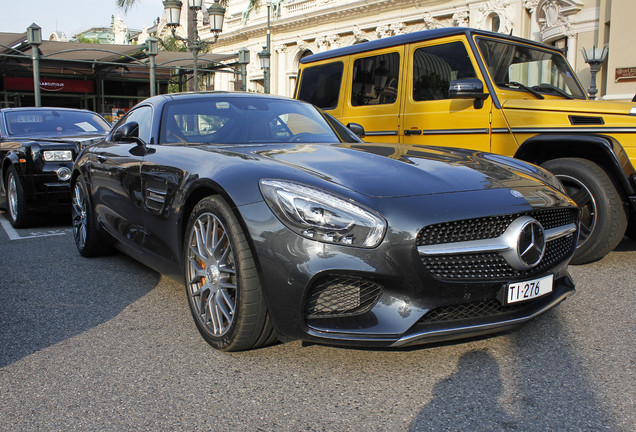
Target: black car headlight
{"points": [[323, 216], [57, 155]]}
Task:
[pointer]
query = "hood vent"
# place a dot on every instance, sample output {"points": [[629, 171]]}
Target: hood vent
{"points": [[586, 121]]}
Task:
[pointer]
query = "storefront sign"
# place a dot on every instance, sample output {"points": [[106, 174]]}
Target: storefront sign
{"points": [[50, 85], [626, 74]]}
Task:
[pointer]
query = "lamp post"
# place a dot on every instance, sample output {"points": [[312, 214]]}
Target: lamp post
{"points": [[243, 61], [194, 43], [595, 57], [152, 45], [34, 37], [264, 58], [265, 55]]}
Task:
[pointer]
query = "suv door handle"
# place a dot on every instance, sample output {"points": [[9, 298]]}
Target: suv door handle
{"points": [[101, 159], [412, 132]]}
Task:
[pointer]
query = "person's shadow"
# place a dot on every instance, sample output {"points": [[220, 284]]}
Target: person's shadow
{"points": [[468, 399]]}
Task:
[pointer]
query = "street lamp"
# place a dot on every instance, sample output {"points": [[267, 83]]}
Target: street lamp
{"points": [[34, 37], [152, 46], [243, 61], [194, 43], [595, 57], [264, 56]]}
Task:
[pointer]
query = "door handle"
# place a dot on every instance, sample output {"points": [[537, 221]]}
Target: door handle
{"points": [[101, 159], [412, 132]]}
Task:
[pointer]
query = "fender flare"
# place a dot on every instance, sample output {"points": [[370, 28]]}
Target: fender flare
{"points": [[602, 149], [12, 159]]}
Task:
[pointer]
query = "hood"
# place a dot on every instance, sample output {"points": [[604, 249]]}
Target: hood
{"points": [[572, 106], [387, 170]]}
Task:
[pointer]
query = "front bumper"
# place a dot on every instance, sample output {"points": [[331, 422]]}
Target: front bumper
{"points": [[407, 291], [48, 193]]}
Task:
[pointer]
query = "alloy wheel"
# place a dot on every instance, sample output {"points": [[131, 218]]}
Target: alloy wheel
{"points": [[211, 274], [79, 216], [12, 196], [586, 202]]}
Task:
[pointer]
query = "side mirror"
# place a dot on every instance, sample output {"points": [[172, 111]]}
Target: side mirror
{"points": [[468, 88], [128, 132], [356, 129]]}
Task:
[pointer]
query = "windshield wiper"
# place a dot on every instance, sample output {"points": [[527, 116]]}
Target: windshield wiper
{"points": [[553, 89], [522, 87]]}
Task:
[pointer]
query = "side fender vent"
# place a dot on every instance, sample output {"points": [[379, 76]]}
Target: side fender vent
{"points": [[584, 120]]}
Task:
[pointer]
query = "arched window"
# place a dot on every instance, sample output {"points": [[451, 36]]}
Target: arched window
{"points": [[495, 22]]}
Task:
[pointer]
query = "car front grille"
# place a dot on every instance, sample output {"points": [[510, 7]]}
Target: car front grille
{"points": [[341, 296], [492, 266]]}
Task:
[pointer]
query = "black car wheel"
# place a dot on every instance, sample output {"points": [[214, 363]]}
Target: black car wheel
{"points": [[222, 283], [88, 240], [603, 218], [16, 201]]}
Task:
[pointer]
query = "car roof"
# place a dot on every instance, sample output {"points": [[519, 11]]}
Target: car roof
{"points": [[17, 109], [410, 38], [207, 94]]}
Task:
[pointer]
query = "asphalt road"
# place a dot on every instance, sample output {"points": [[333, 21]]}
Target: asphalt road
{"points": [[107, 344]]}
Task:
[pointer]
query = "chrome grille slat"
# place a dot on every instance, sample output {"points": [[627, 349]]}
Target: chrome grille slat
{"points": [[488, 265]]}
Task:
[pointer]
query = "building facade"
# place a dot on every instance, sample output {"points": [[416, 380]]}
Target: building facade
{"points": [[302, 27]]}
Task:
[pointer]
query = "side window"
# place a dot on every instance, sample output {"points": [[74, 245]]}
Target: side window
{"points": [[375, 80], [436, 66], [320, 85], [143, 117], [193, 122]]}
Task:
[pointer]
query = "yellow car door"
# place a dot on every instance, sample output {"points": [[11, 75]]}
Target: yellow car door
{"points": [[429, 115]]}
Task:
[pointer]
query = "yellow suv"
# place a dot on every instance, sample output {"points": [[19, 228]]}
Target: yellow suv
{"points": [[474, 89]]}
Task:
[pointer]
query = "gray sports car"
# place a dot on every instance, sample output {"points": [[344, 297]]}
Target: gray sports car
{"points": [[285, 225]]}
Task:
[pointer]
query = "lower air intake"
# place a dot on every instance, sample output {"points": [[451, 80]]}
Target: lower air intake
{"points": [[341, 296]]}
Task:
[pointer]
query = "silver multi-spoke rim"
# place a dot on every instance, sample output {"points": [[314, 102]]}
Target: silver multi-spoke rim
{"points": [[585, 201], [211, 274], [79, 216], [12, 195]]}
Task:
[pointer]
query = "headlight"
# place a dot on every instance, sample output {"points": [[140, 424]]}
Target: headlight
{"points": [[320, 215], [58, 155]]}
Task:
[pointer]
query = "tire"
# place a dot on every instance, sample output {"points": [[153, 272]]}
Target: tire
{"points": [[16, 201], [603, 217], [88, 239], [221, 280]]}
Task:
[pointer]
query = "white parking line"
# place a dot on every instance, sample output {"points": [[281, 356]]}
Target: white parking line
{"points": [[15, 235]]}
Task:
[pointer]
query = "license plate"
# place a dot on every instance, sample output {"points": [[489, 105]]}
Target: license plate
{"points": [[527, 290]]}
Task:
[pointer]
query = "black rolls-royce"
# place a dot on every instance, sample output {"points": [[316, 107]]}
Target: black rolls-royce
{"points": [[285, 225], [37, 149]]}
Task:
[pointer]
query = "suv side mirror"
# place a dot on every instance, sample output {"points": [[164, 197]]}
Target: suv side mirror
{"points": [[128, 132], [468, 88], [356, 129]]}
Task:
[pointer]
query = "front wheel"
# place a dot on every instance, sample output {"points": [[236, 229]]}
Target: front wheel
{"points": [[603, 217], [16, 201], [222, 283], [88, 240]]}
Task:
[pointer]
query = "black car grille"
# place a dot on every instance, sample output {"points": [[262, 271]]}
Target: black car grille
{"points": [[490, 227], [492, 266], [468, 311], [341, 296]]}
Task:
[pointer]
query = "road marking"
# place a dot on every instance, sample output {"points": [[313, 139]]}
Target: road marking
{"points": [[15, 235]]}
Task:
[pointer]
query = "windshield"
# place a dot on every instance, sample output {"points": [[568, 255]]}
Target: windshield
{"points": [[529, 69], [242, 120], [54, 123]]}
